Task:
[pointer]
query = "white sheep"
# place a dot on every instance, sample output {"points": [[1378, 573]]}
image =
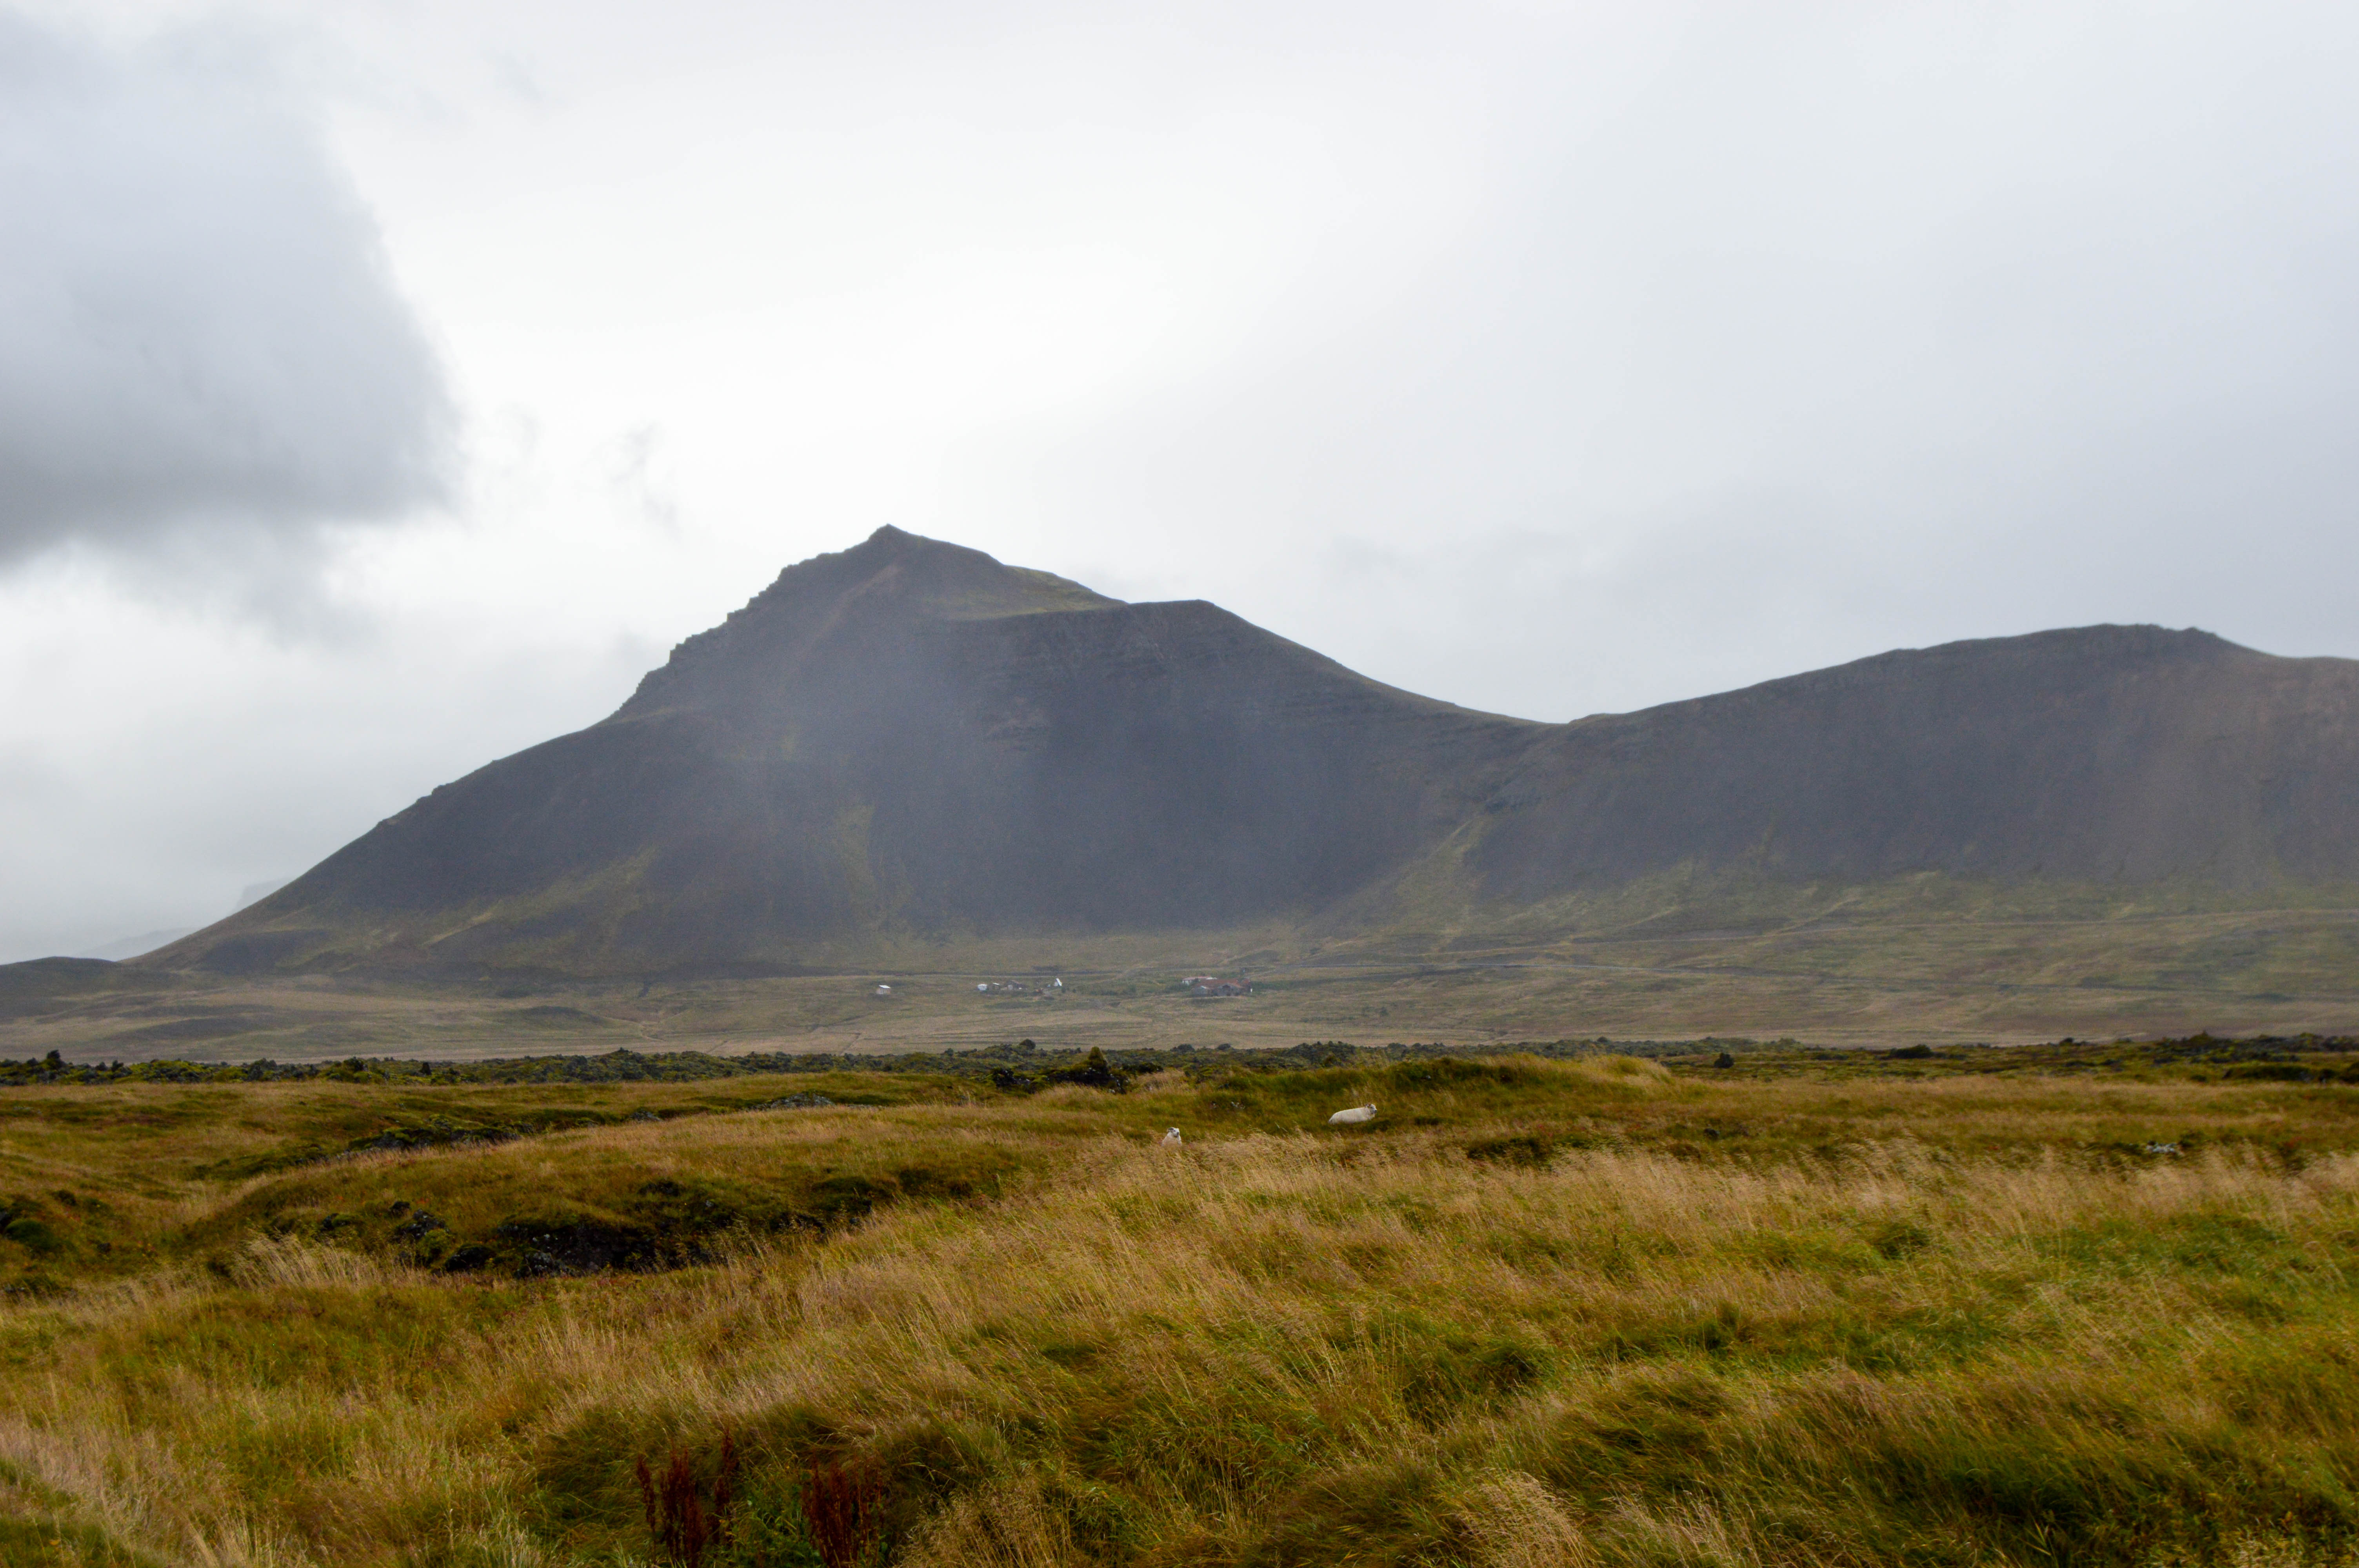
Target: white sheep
{"points": [[1173, 1136], [1357, 1114]]}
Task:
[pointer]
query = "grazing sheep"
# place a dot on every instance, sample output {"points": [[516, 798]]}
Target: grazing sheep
{"points": [[1358, 1113], [1173, 1136]]}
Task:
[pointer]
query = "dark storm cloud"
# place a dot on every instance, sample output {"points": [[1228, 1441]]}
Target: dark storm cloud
{"points": [[198, 332]]}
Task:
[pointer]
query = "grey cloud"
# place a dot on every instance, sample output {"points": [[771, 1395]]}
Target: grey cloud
{"points": [[638, 478], [199, 330]]}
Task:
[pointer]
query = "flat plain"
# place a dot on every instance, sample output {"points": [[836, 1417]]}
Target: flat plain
{"points": [[1927, 958]]}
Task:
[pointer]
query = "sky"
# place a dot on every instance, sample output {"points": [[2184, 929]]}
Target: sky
{"points": [[386, 385]]}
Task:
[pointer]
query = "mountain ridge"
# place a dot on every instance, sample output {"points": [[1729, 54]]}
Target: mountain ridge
{"points": [[909, 742], [2101, 753]]}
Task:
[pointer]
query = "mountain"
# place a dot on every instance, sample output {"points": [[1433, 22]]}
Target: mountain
{"points": [[132, 947], [2113, 755], [909, 743], [149, 941]]}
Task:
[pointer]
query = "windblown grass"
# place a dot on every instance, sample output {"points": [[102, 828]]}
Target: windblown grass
{"points": [[1871, 1321]]}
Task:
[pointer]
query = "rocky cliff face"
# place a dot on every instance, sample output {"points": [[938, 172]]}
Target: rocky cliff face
{"points": [[910, 741]]}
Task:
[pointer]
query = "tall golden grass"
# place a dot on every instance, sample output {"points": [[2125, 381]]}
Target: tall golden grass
{"points": [[1293, 1348]]}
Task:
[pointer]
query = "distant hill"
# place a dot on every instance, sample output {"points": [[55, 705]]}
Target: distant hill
{"points": [[908, 743], [132, 947], [149, 941]]}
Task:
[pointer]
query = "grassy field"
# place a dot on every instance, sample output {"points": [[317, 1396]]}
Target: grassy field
{"points": [[2084, 1304], [1916, 958]]}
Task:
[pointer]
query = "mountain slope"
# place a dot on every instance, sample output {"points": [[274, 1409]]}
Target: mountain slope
{"points": [[907, 742], [2106, 754], [903, 739]]}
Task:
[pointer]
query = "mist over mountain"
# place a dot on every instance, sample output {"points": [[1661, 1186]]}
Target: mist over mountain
{"points": [[908, 743]]}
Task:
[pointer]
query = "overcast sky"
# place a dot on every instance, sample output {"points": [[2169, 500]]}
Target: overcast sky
{"points": [[384, 386]]}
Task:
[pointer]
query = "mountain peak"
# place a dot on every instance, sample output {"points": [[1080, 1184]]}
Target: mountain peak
{"points": [[896, 569], [893, 579]]}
